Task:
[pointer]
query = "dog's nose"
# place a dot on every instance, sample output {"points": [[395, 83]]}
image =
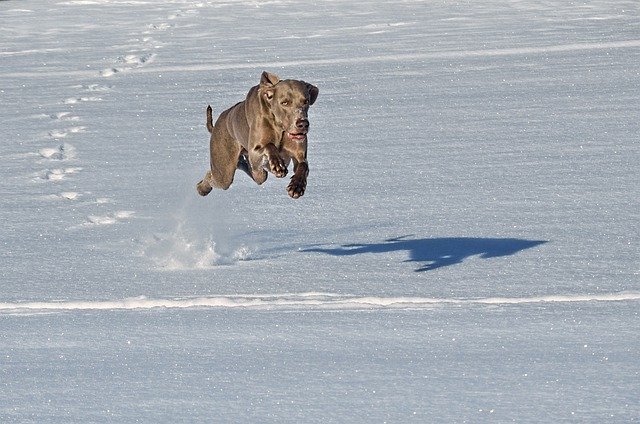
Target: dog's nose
{"points": [[302, 124]]}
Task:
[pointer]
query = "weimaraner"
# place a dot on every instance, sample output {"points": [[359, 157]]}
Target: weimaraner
{"points": [[264, 132]]}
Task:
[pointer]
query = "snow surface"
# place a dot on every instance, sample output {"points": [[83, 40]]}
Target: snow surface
{"points": [[467, 249]]}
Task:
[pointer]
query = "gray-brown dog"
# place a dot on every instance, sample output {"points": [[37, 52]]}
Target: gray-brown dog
{"points": [[264, 132]]}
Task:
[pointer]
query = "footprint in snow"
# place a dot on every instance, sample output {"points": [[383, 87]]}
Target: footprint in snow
{"points": [[192, 10], [69, 195], [149, 41], [181, 13], [64, 116], [74, 100], [158, 27], [132, 59], [146, 41], [96, 88], [57, 174], [65, 151], [109, 72], [110, 219], [57, 134], [65, 195], [129, 62]]}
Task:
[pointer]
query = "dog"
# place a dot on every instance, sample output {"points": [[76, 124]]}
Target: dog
{"points": [[265, 132]]}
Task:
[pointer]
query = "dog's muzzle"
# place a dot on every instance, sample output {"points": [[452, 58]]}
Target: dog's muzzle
{"points": [[299, 133]]}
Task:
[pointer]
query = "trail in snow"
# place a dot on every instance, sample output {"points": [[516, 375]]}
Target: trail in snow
{"points": [[472, 180], [65, 125], [314, 301]]}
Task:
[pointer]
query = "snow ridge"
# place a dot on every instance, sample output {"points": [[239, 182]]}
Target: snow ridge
{"points": [[311, 300], [127, 63]]}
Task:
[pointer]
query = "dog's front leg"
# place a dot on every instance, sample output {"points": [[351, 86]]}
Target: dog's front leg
{"points": [[263, 158], [298, 183], [276, 164]]}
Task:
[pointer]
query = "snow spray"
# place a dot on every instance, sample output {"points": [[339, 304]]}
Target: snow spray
{"points": [[199, 236]]}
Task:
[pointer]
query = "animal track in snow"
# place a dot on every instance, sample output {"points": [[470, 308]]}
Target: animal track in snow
{"points": [[132, 59], [58, 174], [158, 27], [65, 195], [69, 195], [123, 214], [94, 88], [64, 151], [101, 220], [92, 92], [181, 13], [64, 116], [74, 100], [129, 62], [56, 134], [114, 218], [109, 72]]}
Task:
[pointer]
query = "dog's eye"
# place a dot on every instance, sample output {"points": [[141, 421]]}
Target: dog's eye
{"points": [[284, 102]]}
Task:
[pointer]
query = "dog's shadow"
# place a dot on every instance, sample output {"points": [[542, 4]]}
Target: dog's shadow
{"points": [[434, 253]]}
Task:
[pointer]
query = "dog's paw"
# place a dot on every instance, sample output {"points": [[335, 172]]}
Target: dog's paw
{"points": [[203, 188], [277, 167], [296, 187]]}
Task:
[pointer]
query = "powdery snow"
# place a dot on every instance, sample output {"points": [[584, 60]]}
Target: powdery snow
{"points": [[466, 249]]}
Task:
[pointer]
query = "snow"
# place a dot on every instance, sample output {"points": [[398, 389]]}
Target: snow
{"points": [[467, 249]]}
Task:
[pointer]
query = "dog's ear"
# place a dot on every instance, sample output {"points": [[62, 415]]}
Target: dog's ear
{"points": [[267, 82], [269, 79], [313, 93]]}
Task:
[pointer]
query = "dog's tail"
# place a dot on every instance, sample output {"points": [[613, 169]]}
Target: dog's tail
{"points": [[209, 119]]}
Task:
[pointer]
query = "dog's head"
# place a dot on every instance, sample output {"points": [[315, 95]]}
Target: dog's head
{"points": [[289, 101]]}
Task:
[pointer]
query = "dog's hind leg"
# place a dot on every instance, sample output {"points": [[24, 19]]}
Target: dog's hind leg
{"points": [[224, 161], [204, 186], [243, 163]]}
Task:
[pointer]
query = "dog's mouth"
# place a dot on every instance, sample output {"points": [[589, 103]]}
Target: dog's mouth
{"points": [[299, 136]]}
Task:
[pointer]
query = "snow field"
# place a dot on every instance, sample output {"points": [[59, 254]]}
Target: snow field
{"points": [[466, 251]]}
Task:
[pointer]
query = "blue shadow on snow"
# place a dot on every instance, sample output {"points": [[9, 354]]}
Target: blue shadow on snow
{"points": [[436, 253]]}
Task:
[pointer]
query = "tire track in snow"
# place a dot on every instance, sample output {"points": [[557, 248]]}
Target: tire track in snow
{"points": [[305, 301]]}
